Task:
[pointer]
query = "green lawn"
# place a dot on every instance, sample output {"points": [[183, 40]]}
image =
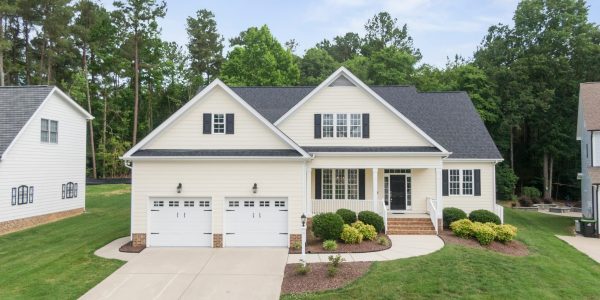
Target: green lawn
{"points": [[56, 261], [553, 270]]}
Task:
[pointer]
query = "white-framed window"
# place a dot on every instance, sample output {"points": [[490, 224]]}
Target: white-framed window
{"points": [[218, 125], [339, 184], [188, 203], [264, 203], [69, 190], [249, 203], [279, 203], [234, 203], [204, 203], [159, 203], [461, 182], [173, 203], [49, 131], [341, 125], [22, 195]]}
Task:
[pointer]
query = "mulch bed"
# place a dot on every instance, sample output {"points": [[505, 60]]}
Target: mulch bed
{"points": [[129, 248], [318, 280], [513, 248], [315, 245]]}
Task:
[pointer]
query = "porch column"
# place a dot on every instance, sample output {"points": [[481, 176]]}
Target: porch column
{"points": [[438, 196], [307, 190], [374, 172]]}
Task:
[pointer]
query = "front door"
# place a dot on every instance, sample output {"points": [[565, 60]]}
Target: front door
{"points": [[398, 192]]}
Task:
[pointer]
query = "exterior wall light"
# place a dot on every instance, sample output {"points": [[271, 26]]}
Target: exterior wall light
{"points": [[254, 188], [179, 186]]}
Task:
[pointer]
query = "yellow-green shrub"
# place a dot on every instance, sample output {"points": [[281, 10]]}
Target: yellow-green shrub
{"points": [[462, 228], [368, 231], [351, 235], [505, 233], [484, 233]]}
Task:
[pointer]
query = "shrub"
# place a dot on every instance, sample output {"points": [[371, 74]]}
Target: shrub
{"points": [[484, 216], [330, 245], [525, 201], [302, 269], [462, 228], [531, 192], [327, 226], [505, 233], [483, 233], [368, 231], [347, 215], [351, 235], [371, 218], [296, 245], [383, 241], [506, 181], [331, 271], [452, 214], [335, 261]]}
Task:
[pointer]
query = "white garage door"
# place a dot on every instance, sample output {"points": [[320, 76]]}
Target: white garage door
{"points": [[180, 222], [256, 222]]}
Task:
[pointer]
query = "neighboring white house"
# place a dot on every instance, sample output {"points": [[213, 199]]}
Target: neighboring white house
{"points": [[42, 156], [238, 166], [588, 132]]}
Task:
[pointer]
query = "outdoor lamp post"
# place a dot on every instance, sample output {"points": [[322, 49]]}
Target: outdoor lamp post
{"points": [[303, 219]]}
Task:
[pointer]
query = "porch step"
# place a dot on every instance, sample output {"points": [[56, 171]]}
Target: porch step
{"points": [[410, 226]]}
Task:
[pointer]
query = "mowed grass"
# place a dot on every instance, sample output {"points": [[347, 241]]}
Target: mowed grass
{"points": [[57, 261], [553, 270]]}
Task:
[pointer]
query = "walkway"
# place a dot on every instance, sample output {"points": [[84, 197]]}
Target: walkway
{"points": [[588, 246]]}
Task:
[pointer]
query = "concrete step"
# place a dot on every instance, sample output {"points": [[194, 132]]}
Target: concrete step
{"points": [[411, 232], [411, 228]]}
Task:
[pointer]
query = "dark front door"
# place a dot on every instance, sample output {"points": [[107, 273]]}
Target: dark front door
{"points": [[397, 192]]}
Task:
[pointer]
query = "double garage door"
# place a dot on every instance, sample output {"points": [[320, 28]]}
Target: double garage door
{"points": [[247, 222]]}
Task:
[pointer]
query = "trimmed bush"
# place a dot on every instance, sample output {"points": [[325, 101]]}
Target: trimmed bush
{"points": [[484, 234], [383, 241], [506, 181], [462, 228], [351, 235], [327, 226], [368, 231], [484, 216], [531, 192], [371, 218], [330, 245], [452, 214], [302, 269], [525, 201], [296, 245], [505, 233], [347, 215]]}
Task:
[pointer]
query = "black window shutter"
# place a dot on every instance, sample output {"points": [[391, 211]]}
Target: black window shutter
{"points": [[318, 183], [317, 126], [30, 195], [229, 124], [444, 182], [206, 123], [365, 126], [75, 191], [477, 191], [63, 191], [14, 196], [361, 184]]}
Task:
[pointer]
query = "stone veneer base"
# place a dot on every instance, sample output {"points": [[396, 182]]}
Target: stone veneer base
{"points": [[217, 240], [29, 222], [138, 240]]}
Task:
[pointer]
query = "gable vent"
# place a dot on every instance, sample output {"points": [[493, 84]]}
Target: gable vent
{"points": [[342, 81]]}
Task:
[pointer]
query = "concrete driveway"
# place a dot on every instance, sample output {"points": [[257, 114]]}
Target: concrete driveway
{"points": [[197, 273]]}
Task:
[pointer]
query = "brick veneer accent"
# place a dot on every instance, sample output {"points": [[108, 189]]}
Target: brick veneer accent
{"points": [[217, 240], [295, 238], [24, 223], [138, 239]]}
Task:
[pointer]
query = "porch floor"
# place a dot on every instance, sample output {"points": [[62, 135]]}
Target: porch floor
{"points": [[391, 215]]}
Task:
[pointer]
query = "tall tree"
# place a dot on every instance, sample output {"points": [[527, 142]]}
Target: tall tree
{"points": [[259, 59], [7, 8], [344, 47], [382, 31], [315, 66], [139, 19], [205, 46]]}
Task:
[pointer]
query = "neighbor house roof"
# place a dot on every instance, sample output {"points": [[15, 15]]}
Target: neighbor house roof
{"points": [[448, 117], [590, 104], [17, 105]]}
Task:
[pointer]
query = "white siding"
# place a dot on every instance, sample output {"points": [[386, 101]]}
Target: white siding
{"points": [[218, 180], [596, 149], [46, 166], [186, 132], [488, 187], [386, 129]]}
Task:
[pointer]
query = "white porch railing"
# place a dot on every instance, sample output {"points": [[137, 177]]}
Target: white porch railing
{"points": [[433, 212], [384, 214], [332, 205], [499, 210]]}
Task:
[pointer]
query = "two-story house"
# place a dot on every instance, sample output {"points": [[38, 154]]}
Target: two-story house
{"points": [[42, 156], [588, 132], [238, 166]]}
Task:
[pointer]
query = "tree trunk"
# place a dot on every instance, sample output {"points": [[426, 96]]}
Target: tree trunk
{"points": [[27, 60], [89, 103], [546, 179], [551, 176], [137, 99], [42, 53], [2, 52], [512, 149], [49, 69]]}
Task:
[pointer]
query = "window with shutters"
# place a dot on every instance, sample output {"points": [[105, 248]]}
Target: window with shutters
{"points": [[467, 182], [340, 184], [69, 190], [218, 124], [22, 195], [461, 182], [342, 126], [454, 182]]}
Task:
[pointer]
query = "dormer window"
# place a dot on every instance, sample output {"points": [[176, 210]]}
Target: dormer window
{"points": [[218, 124], [49, 131], [342, 126]]}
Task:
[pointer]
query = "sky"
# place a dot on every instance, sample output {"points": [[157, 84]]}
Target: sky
{"points": [[440, 28]]}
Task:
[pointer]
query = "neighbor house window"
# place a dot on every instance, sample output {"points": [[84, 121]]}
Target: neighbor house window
{"points": [[339, 184], [461, 182], [341, 125], [22, 195], [218, 123], [69, 190], [49, 131]]}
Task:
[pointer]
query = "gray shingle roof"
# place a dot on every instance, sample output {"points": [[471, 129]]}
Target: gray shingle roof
{"points": [[17, 105], [448, 117], [217, 152], [370, 149]]}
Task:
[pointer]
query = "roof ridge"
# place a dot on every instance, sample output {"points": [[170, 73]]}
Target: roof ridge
{"points": [[27, 86], [274, 86]]}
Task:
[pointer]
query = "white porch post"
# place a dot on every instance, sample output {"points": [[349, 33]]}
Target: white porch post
{"points": [[375, 172], [307, 190], [438, 196]]}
